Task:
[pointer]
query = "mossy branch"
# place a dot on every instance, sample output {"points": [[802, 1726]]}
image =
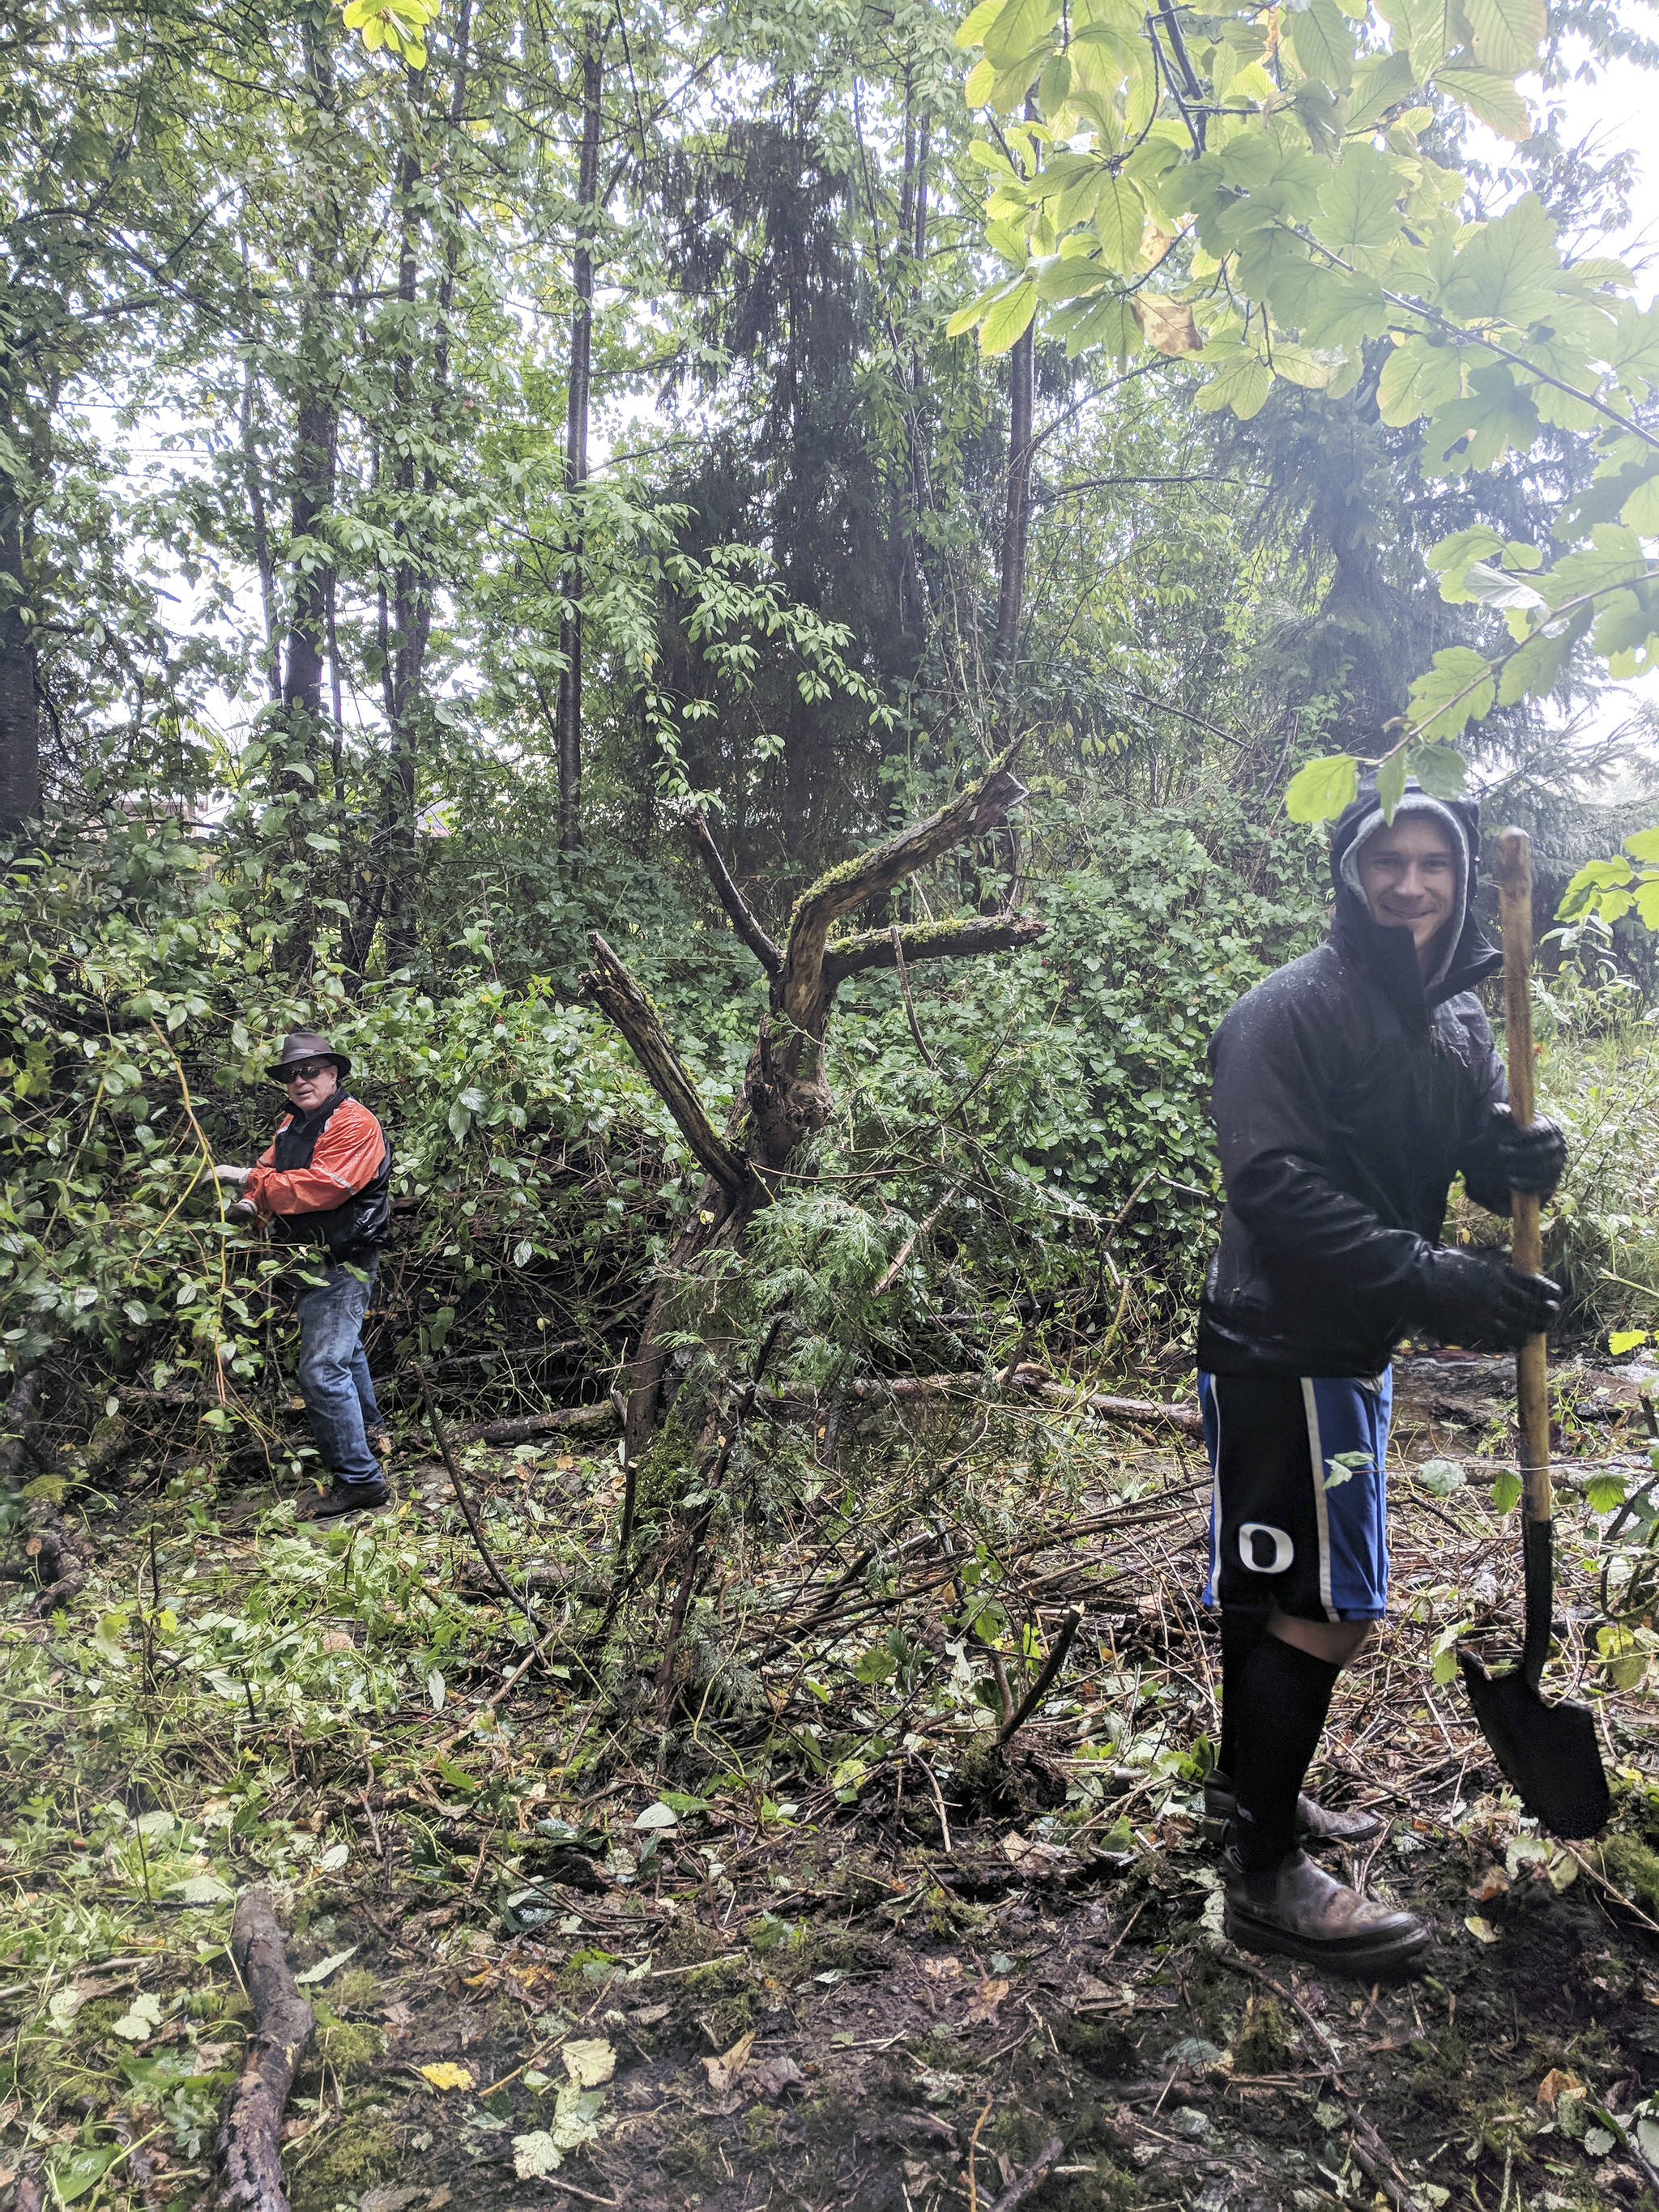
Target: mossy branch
{"points": [[618, 997], [930, 940], [806, 993]]}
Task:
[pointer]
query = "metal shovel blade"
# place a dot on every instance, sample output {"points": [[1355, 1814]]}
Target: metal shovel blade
{"points": [[1548, 1752]]}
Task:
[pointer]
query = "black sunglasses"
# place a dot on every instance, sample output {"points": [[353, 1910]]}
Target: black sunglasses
{"points": [[309, 1073]]}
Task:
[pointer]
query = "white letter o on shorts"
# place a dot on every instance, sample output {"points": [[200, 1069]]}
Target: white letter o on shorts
{"points": [[1284, 1549]]}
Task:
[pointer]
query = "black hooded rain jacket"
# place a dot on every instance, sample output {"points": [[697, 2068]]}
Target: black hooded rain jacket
{"points": [[1347, 1093]]}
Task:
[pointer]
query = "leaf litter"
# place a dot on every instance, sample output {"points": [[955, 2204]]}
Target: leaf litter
{"points": [[863, 1958]]}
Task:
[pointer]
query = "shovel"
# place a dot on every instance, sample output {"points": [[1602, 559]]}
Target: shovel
{"points": [[1549, 1752]]}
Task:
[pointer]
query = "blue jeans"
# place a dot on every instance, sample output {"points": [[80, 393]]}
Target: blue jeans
{"points": [[334, 1379]]}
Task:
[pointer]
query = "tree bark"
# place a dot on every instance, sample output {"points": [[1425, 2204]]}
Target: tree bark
{"points": [[408, 618], [20, 706], [1016, 524], [569, 710], [251, 2133]]}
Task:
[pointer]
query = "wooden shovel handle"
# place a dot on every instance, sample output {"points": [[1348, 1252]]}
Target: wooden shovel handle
{"points": [[1527, 1242]]}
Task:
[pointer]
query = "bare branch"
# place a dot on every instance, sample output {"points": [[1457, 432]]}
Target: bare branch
{"points": [[937, 940], [983, 805], [616, 995], [738, 907]]}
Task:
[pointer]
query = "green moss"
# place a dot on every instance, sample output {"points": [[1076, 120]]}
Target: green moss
{"points": [[350, 2047], [54, 1489], [1265, 2040], [357, 1991], [1631, 1866], [760, 2127], [356, 2157]]}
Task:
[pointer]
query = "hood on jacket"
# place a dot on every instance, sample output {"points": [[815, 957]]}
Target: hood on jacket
{"points": [[1465, 957]]}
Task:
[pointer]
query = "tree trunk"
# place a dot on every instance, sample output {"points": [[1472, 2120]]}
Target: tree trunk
{"points": [[569, 711], [20, 707], [407, 619], [316, 438], [1016, 524], [784, 1097]]}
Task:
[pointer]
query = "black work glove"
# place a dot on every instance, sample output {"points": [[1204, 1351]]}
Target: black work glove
{"points": [[1464, 1299], [1529, 1159]]}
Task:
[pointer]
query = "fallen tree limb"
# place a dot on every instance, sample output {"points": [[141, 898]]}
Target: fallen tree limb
{"points": [[566, 1420], [251, 2133]]}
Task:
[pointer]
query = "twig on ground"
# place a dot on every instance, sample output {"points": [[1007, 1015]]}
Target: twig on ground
{"points": [[1023, 2184], [440, 1435], [1051, 1666]]}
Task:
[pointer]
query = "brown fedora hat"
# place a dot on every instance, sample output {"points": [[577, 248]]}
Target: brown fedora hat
{"points": [[300, 1046]]}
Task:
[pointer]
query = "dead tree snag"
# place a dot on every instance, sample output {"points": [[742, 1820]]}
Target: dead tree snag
{"points": [[785, 1098]]}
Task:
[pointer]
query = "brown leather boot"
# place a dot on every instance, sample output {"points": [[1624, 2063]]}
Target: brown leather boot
{"points": [[1298, 1909], [1317, 1827]]}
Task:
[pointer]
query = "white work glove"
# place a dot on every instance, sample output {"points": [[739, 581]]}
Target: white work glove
{"points": [[235, 1177]]}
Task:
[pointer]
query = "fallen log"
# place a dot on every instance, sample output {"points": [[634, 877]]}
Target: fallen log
{"points": [[565, 1419], [251, 2133]]}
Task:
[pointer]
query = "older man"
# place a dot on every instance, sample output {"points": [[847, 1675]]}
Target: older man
{"points": [[1349, 1088], [324, 1183]]}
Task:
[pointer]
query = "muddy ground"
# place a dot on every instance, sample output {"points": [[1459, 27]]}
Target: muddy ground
{"points": [[562, 1952]]}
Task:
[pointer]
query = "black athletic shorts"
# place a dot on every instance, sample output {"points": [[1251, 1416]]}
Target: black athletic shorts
{"points": [[1298, 1510]]}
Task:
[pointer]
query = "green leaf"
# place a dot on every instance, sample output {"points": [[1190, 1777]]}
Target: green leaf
{"points": [[1604, 1492], [972, 31], [1120, 221], [1441, 1477], [1322, 41], [1441, 769], [1391, 783], [1506, 272], [1506, 32], [1008, 319], [1418, 378], [1241, 381], [1452, 557], [1505, 1491], [83, 2169], [1625, 1339], [1381, 81], [1456, 689], [1322, 789], [1490, 97], [1016, 29], [1360, 207]]}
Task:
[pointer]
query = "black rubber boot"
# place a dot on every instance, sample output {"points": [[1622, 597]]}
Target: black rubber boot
{"points": [[1317, 1827], [342, 1498], [1301, 1911]]}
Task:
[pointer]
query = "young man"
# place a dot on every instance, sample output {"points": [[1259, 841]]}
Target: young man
{"points": [[326, 1182], [1349, 1088]]}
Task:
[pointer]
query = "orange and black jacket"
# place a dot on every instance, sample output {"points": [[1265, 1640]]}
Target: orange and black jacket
{"points": [[327, 1180]]}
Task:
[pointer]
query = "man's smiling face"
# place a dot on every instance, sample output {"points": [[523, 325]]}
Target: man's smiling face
{"points": [[309, 1086], [1409, 876]]}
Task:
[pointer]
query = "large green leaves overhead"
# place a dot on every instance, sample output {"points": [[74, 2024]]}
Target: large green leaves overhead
{"points": [[1263, 178]]}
